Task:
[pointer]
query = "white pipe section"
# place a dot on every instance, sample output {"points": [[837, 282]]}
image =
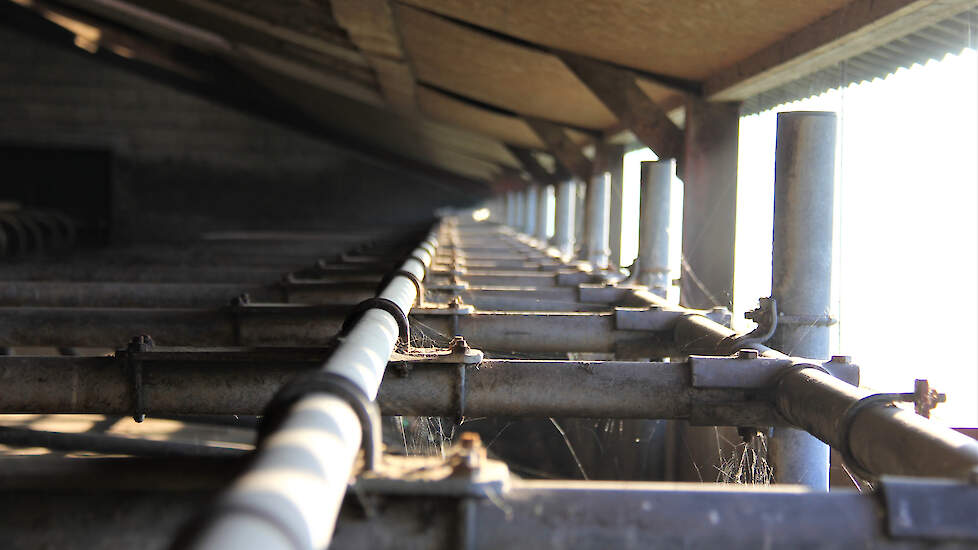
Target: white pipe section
{"points": [[599, 221], [291, 495]]}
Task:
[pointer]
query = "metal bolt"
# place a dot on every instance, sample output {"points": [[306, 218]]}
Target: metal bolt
{"points": [[747, 354], [458, 344]]}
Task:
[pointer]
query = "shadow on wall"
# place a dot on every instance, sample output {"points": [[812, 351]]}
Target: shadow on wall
{"points": [[176, 200]]}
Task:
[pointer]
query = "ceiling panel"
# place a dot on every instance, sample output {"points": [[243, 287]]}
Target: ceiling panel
{"points": [[509, 129], [497, 72], [677, 38]]}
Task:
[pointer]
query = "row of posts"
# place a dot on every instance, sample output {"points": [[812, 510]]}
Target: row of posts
{"points": [[531, 211], [802, 250]]}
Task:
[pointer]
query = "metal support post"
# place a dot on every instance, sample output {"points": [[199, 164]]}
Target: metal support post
{"points": [[653, 228], [802, 273], [519, 209], [530, 210], [564, 218], [544, 215], [511, 208], [599, 193], [580, 219], [614, 157]]}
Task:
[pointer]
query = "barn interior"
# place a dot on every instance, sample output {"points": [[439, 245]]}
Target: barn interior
{"points": [[349, 274]]}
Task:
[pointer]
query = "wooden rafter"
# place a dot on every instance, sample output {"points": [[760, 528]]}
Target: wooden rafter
{"points": [[562, 148], [371, 26], [191, 36], [617, 89]]}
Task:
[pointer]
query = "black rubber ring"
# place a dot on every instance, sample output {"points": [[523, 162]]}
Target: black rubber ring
{"points": [[403, 328], [405, 273], [844, 427], [333, 384]]}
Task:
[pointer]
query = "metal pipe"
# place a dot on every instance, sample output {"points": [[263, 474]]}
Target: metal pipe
{"points": [[292, 492], [564, 218], [510, 209], [519, 201], [598, 222], [544, 214], [121, 294], [653, 229], [108, 444], [802, 271], [240, 382], [530, 216], [614, 158], [882, 439]]}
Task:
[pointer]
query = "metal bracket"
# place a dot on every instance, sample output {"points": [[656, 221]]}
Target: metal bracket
{"points": [[465, 473], [457, 352], [930, 508]]}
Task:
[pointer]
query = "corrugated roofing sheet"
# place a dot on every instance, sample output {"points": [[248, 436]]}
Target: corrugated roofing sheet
{"points": [[950, 36]]}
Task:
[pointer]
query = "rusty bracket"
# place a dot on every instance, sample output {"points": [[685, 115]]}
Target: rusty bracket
{"points": [[465, 472]]}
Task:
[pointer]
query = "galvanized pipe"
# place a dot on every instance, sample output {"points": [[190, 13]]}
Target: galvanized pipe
{"points": [[653, 229], [802, 274], [511, 209], [530, 215], [614, 156], [598, 221], [241, 384], [882, 439], [564, 218], [519, 201], [544, 214], [292, 492]]}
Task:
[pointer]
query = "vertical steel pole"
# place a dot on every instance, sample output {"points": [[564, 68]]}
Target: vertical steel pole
{"points": [[653, 227], [510, 209], [530, 211], [564, 218], [598, 222], [518, 208], [580, 218], [543, 213], [614, 156], [802, 272]]}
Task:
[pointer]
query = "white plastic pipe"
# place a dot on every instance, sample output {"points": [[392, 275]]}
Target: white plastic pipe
{"points": [[291, 495]]}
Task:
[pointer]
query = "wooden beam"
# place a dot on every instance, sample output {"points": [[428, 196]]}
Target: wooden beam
{"points": [[169, 29], [617, 89], [562, 147], [240, 25], [849, 31], [532, 166], [372, 27]]}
